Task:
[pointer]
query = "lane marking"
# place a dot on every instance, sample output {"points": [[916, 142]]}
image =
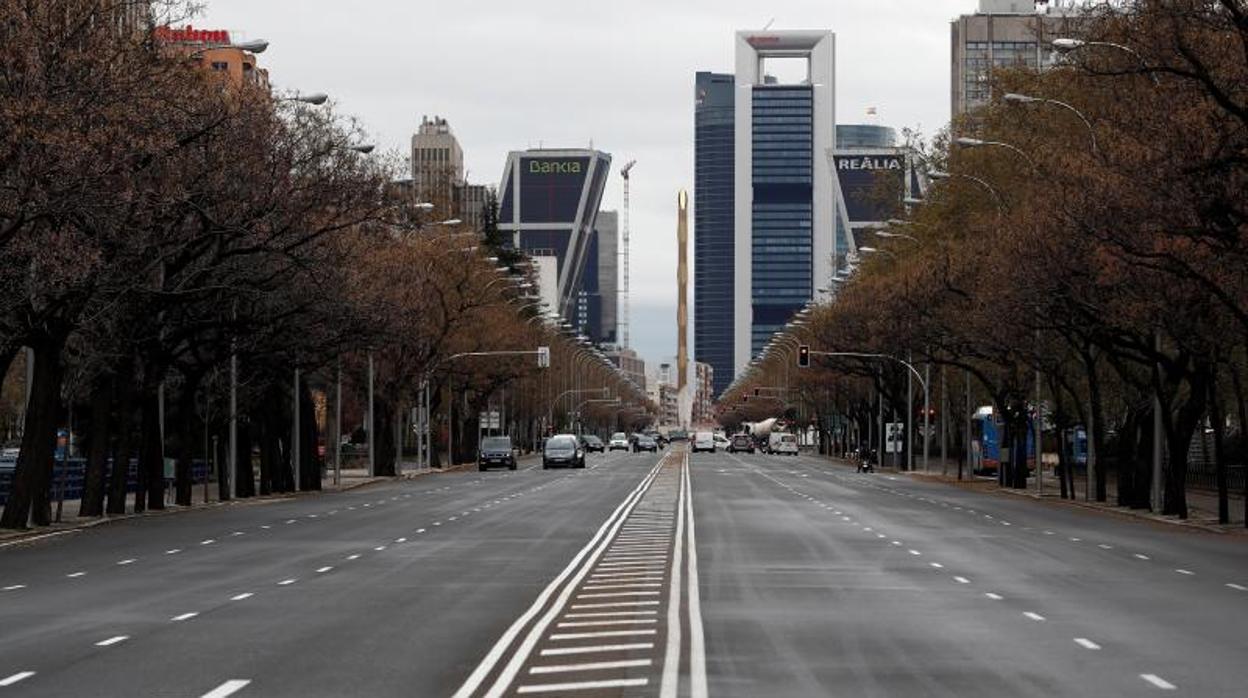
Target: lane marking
{"points": [[994, 597], [1183, 571], [582, 685], [173, 551], [603, 633], [184, 616], [19, 676], [112, 640], [75, 575], [355, 556], [669, 683], [611, 614], [1138, 556], [961, 580], [595, 649], [697, 639], [632, 584], [240, 597], [606, 623], [590, 666], [1033, 616], [209, 541], [615, 604], [937, 565], [1086, 643], [575, 570], [1237, 587], [127, 561], [325, 569], [616, 594], [1158, 682], [286, 582], [227, 689]]}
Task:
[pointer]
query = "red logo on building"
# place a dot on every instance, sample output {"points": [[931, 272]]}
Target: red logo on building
{"points": [[191, 35]]}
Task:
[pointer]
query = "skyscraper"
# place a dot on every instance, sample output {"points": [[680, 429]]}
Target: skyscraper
{"points": [[437, 165], [713, 240], [549, 205], [784, 190], [607, 237]]}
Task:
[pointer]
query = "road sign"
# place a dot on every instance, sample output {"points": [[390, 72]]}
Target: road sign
{"points": [[894, 434], [543, 357], [491, 420]]}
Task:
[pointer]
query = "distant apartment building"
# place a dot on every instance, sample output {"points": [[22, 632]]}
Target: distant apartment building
{"points": [[210, 49], [703, 394], [437, 165], [1002, 34], [632, 366]]}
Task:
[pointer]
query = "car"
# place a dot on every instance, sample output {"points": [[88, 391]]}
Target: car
{"points": [[592, 443], [496, 451], [721, 441], [565, 450], [678, 435], [645, 443], [619, 441], [782, 443], [703, 441], [741, 442]]}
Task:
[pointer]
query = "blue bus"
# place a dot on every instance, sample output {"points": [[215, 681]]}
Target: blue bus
{"points": [[986, 432]]}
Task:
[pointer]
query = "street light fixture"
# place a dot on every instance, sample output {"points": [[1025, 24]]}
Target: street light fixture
{"points": [[316, 98], [1015, 98]]}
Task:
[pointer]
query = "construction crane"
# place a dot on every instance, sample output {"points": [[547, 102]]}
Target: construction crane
{"points": [[624, 260]]}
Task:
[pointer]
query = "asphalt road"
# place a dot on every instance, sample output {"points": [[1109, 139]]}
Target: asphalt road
{"points": [[712, 574]]}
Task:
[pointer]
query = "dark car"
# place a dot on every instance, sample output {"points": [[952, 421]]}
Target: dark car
{"points": [[678, 435], [496, 451], [645, 443], [741, 442], [565, 450], [593, 443]]}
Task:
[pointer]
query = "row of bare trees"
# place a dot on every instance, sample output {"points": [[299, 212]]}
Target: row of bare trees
{"points": [[170, 242], [1082, 236]]}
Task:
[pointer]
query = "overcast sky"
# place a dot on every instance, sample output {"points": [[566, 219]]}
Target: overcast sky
{"points": [[514, 74]]}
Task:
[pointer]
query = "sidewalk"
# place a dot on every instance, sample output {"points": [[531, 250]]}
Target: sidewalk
{"points": [[350, 479], [1202, 505]]}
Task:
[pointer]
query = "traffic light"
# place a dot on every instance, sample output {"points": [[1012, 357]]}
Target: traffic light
{"points": [[756, 392], [803, 356]]}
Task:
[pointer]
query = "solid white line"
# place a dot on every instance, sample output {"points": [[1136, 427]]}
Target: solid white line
{"points": [[594, 649], [615, 604], [697, 641], [669, 685], [582, 685], [1033, 616], [19, 676], [184, 616], [240, 597], [602, 633], [575, 570], [590, 666], [226, 689], [1158, 682], [610, 614], [1086, 643], [112, 640], [600, 623]]}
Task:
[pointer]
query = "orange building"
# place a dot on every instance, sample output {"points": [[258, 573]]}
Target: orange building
{"points": [[212, 50]]}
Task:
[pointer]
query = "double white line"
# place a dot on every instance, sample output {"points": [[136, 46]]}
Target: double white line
{"points": [[568, 579]]}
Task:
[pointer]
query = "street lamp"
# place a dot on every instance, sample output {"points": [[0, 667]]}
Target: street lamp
{"points": [[977, 143], [316, 98], [254, 46], [1015, 98], [450, 221]]}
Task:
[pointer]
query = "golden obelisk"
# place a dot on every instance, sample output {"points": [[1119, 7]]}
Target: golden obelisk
{"points": [[682, 305]]}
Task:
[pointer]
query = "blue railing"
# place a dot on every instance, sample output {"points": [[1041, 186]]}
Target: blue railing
{"points": [[70, 477]]}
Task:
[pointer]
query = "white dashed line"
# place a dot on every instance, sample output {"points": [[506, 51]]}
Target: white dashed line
{"points": [[1086, 643], [173, 551], [210, 541], [1237, 587], [937, 565], [240, 597], [356, 556], [112, 640], [420, 530], [961, 580], [1103, 546], [1033, 616], [184, 616], [228, 688], [1183, 571], [994, 597], [380, 548], [915, 552], [286, 582], [129, 561], [400, 540], [1141, 557], [323, 570], [1158, 682], [19, 676], [75, 575]]}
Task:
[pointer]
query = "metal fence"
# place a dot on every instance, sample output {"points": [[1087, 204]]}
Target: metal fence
{"points": [[68, 477]]}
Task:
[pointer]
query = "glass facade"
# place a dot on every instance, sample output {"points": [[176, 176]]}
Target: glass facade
{"points": [[781, 262], [713, 225], [981, 57]]}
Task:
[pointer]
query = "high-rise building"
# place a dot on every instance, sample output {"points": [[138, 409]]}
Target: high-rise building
{"points": [[469, 204], [549, 203], [783, 188], [1002, 34], [211, 50], [607, 238], [632, 366], [714, 138], [871, 177], [703, 394], [437, 165]]}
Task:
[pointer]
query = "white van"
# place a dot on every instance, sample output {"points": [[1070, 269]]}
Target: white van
{"points": [[703, 441], [782, 443]]}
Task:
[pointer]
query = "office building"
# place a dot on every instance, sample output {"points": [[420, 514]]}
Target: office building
{"points": [[470, 201], [873, 176], [632, 366], [783, 188], [714, 245], [607, 238], [549, 203], [703, 395], [437, 166], [1002, 34]]}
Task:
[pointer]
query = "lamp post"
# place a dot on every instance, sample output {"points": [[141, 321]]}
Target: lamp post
{"points": [[1015, 98]]}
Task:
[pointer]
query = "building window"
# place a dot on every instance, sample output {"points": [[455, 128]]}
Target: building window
{"points": [[220, 65]]}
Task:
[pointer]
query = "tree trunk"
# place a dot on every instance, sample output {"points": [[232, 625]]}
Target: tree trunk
{"points": [[1096, 434], [187, 432], [119, 473], [1219, 454], [223, 464], [308, 440], [151, 452], [29, 500], [95, 478], [1180, 429], [268, 455], [382, 433]]}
